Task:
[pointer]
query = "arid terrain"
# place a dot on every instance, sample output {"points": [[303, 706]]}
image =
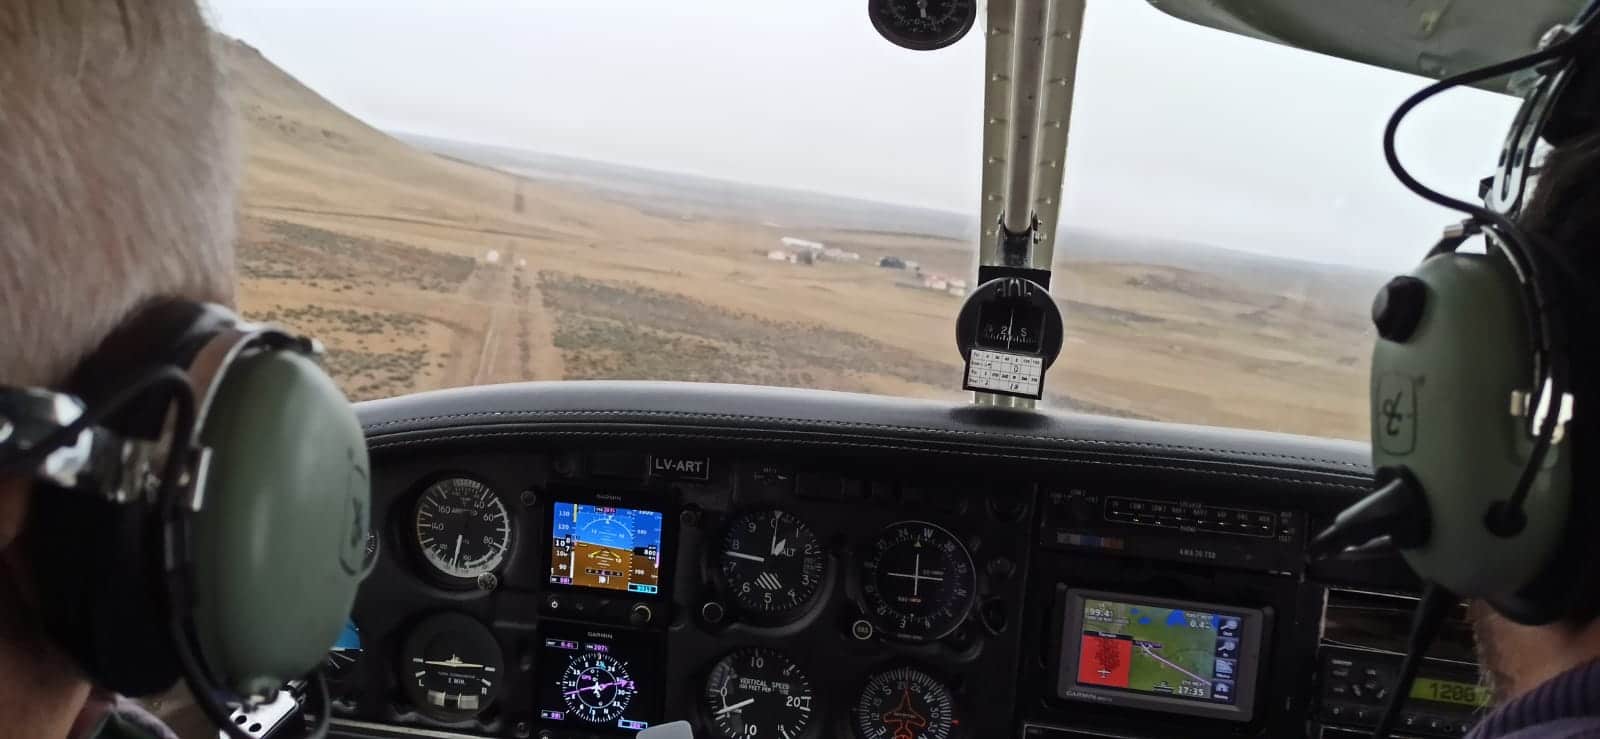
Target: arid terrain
{"points": [[424, 263]]}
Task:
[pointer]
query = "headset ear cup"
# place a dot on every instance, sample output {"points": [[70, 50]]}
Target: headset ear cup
{"points": [[279, 546], [1441, 408]]}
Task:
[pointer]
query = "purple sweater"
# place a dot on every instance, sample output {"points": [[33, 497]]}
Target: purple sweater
{"points": [[1565, 707]]}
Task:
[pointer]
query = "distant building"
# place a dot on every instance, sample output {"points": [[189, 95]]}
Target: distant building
{"points": [[802, 251], [800, 244], [804, 256]]}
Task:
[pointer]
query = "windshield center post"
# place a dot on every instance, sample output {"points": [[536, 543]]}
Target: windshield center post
{"points": [[1030, 68]]}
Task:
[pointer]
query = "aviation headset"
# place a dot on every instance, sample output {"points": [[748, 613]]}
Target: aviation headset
{"points": [[1472, 384], [199, 510], [1471, 376]]}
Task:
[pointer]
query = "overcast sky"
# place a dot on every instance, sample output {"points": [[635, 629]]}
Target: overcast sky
{"points": [[1179, 132]]}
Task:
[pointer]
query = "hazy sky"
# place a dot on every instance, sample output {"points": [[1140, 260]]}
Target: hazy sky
{"points": [[1179, 132]]}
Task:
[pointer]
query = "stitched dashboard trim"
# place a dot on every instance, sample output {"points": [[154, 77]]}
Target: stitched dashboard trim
{"points": [[861, 426], [380, 445]]}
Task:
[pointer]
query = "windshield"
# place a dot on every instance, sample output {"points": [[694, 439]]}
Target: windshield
{"points": [[452, 193]]}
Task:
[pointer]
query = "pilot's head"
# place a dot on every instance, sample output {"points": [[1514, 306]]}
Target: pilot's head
{"points": [[1565, 209], [117, 173]]}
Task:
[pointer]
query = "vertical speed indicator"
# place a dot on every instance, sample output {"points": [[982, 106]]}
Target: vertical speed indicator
{"points": [[758, 692], [462, 529]]}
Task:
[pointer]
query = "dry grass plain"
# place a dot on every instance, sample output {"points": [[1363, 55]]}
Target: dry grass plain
{"points": [[383, 251]]}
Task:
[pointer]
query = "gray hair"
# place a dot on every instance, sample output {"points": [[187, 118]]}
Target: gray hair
{"points": [[117, 173]]}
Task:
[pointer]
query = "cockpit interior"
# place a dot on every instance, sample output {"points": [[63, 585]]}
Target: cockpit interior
{"points": [[654, 451]]}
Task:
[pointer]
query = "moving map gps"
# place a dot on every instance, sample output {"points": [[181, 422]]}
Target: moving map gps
{"points": [[605, 548], [1167, 655]]}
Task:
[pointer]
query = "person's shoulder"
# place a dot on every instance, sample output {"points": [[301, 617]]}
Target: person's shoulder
{"points": [[109, 716], [1587, 727], [1590, 732]]}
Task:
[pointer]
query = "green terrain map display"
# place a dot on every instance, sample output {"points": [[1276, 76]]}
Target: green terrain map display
{"points": [[1157, 650]]}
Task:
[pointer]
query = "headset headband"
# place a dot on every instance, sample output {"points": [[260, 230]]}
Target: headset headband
{"points": [[1556, 106], [118, 466]]}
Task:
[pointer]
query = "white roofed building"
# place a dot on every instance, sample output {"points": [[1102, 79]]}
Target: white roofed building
{"points": [[794, 243]]}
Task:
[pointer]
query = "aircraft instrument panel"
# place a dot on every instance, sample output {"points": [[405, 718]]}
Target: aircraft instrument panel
{"points": [[937, 577]]}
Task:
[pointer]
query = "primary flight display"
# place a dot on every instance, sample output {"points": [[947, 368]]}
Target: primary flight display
{"points": [[605, 547]]}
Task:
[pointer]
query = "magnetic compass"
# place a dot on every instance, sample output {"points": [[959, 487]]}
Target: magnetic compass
{"points": [[923, 25]]}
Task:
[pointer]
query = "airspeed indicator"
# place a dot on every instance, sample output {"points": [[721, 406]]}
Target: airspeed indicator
{"points": [[462, 529]]}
